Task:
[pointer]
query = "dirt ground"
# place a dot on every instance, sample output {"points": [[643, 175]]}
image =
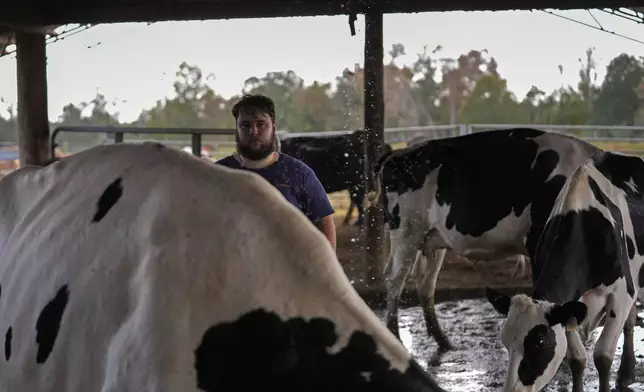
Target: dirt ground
{"points": [[457, 272]]}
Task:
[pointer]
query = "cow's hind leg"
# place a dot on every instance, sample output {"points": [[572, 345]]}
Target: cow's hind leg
{"points": [[519, 267], [359, 221], [402, 257], [430, 264], [347, 217], [618, 308], [626, 372], [577, 360]]}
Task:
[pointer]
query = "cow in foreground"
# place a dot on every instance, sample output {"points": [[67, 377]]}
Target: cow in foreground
{"points": [[587, 270], [337, 161], [142, 268], [485, 195]]}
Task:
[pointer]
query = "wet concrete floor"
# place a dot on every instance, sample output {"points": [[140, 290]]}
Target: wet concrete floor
{"points": [[479, 362]]}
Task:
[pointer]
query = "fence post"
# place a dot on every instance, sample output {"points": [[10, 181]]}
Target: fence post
{"points": [[196, 144], [464, 129]]}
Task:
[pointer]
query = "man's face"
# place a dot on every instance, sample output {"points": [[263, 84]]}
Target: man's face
{"points": [[255, 134]]}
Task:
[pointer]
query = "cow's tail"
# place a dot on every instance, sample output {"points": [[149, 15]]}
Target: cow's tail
{"points": [[371, 198]]}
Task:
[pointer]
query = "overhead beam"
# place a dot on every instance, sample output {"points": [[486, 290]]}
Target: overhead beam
{"points": [[33, 118], [114, 11], [374, 139], [7, 32]]}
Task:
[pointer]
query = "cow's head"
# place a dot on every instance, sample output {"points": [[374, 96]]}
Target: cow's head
{"points": [[534, 333]]}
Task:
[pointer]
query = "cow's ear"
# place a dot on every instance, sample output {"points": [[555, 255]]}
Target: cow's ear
{"points": [[570, 314], [500, 301]]}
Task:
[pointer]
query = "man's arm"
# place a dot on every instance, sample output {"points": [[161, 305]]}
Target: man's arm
{"points": [[327, 227], [318, 207]]}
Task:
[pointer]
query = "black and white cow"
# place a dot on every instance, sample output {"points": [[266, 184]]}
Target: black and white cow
{"points": [[587, 270], [519, 269], [134, 267], [485, 195], [337, 161]]}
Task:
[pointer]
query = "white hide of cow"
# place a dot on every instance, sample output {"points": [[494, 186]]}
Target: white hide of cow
{"points": [[149, 248], [611, 303]]}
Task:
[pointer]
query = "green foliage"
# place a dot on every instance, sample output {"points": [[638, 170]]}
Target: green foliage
{"points": [[432, 90]]}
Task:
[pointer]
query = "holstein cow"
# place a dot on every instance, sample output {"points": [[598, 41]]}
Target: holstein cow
{"points": [[485, 195], [135, 267], [337, 161], [519, 267], [587, 270]]}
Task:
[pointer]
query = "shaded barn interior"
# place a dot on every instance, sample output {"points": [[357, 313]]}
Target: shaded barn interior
{"points": [[28, 24]]}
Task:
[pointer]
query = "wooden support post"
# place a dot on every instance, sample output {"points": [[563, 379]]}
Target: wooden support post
{"points": [[33, 119], [374, 124]]}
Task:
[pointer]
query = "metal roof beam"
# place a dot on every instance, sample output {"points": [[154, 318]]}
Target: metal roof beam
{"points": [[114, 11]]}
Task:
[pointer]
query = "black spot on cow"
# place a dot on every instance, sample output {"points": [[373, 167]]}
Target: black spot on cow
{"points": [[7, 343], [110, 196], [630, 247], [291, 355], [393, 218], [578, 251], [640, 277], [627, 173], [48, 323], [539, 349], [597, 193], [158, 146], [612, 313]]}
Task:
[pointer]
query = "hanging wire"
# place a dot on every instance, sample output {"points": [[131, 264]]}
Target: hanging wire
{"points": [[600, 28], [50, 39]]}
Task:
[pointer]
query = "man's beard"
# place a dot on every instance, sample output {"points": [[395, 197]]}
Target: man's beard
{"points": [[255, 154]]}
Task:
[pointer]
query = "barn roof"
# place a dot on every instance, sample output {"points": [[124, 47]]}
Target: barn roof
{"points": [[7, 36], [37, 12]]}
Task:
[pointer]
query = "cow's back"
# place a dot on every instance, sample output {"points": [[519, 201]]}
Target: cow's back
{"points": [[336, 160], [94, 255], [489, 185], [116, 260]]}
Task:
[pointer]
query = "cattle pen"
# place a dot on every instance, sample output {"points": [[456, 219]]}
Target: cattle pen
{"points": [[477, 364], [459, 279], [28, 25]]}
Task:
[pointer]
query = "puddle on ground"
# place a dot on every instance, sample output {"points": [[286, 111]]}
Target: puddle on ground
{"points": [[479, 362]]}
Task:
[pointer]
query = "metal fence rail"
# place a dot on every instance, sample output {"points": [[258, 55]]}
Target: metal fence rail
{"points": [[117, 133], [600, 134]]}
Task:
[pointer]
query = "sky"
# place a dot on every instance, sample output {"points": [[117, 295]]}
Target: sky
{"points": [[135, 63]]}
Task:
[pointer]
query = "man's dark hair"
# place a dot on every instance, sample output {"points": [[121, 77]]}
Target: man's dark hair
{"points": [[258, 102]]}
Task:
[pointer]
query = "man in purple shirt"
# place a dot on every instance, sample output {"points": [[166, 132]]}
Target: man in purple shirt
{"points": [[255, 137]]}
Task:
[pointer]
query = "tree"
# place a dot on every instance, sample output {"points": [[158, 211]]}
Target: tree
{"points": [[279, 86], [186, 109], [617, 102], [311, 109], [431, 90], [588, 90], [490, 102], [459, 78], [426, 90]]}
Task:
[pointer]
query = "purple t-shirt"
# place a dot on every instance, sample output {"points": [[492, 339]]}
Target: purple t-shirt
{"points": [[296, 181]]}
